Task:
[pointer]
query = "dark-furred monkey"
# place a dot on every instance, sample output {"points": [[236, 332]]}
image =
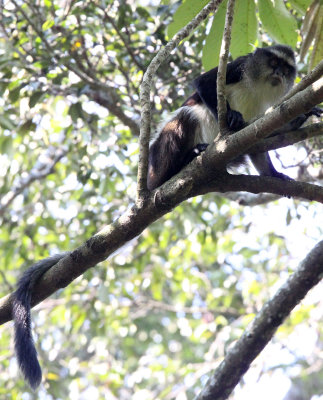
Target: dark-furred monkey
{"points": [[254, 83]]}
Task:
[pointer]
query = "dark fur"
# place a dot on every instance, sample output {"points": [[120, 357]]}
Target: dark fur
{"points": [[21, 304], [176, 139]]}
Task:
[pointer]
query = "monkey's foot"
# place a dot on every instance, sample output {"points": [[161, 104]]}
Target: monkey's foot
{"points": [[299, 121], [196, 151], [317, 111]]}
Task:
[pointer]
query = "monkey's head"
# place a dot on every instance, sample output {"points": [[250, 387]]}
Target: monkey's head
{"points": [[274, 65]]}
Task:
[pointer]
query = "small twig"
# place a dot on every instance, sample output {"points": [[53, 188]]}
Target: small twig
{"points": [[37, 173], [222, 69], [123, 39], [160, 57], [288, 138]]}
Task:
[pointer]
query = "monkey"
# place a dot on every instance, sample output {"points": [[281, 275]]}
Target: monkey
{"points": [[254, 83]]}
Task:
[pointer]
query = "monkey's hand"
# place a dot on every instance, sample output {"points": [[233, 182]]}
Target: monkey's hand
{"points": [[235, 120], [196, 151], [317, 111], [299, 121]]}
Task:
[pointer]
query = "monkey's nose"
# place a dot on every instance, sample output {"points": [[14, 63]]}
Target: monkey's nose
{"points": [[278, 72]]}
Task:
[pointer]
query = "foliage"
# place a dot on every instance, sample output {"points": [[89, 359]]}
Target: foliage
{"points": [[253, 21], [154, 319]]}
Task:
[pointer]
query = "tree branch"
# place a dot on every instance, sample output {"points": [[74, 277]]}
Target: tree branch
{"points": [[250, 199], [222, 69], [111, 101], [288, 138], [264, 326], [160, 57], [201, 176], [40, 171]]}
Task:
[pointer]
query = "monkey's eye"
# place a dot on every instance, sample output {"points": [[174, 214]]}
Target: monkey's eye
{"points": [[286, 70], [273, 62]]}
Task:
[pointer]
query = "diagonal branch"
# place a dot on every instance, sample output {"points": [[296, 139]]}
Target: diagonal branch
{"points": [[264, 326], [145, 95], [135, 220]]}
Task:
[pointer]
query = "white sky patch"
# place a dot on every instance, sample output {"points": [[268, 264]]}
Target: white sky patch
{"points": [[273, 387], [62, 213], [93, 108]]}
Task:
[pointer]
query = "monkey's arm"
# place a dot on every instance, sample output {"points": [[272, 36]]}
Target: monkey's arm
{"points": [[262, 161], [300, 120], [24, 344]]}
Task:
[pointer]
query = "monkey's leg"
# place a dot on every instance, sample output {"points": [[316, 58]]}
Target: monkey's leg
{"points": [[264, 166]]}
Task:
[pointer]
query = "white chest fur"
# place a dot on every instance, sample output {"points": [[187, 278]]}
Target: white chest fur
{"points": [[252, 101], [208, 128]]}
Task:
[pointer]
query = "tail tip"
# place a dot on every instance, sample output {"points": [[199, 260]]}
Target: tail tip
{"points": [[33, 375]]}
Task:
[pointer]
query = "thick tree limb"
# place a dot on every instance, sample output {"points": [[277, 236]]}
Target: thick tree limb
{"points": [[160, 57], [134, 221], [205, 174], [222, 69], [264, 326]]}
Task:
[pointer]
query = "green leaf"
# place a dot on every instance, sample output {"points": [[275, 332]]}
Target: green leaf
{"points": [[244, 28], [211, 49], [184, 14], [143, 13], [6, 143], [278, 22], [300, 5], [27, 127], [35, 98], [47, 25], [6, 123], [14, 94], [76, 111]]}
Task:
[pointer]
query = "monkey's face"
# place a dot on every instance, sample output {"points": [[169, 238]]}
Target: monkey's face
{"points": [[280, 72], [273, 65]]}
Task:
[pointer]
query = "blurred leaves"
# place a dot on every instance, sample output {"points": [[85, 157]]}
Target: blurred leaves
{"points": [[157, 314], [312, 34]]}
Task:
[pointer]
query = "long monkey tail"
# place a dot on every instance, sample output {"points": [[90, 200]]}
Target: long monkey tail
{"points": [[21, 305]]}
